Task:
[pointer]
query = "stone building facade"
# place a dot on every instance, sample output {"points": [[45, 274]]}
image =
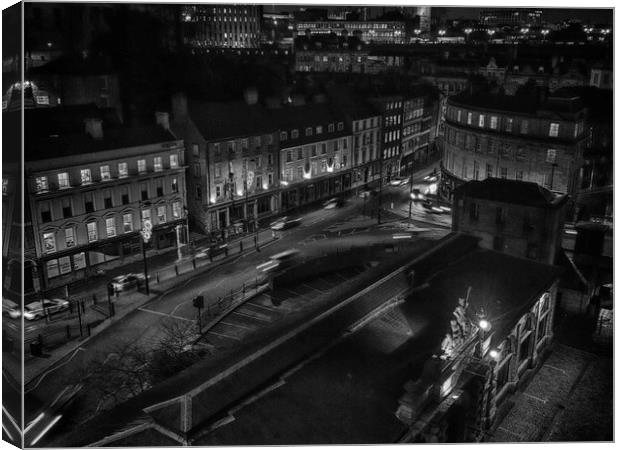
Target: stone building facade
{"points": [[504, 137], [88, 207]]}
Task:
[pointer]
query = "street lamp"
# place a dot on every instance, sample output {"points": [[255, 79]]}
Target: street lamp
{"points": [[442, 32], [490, 33], [145, 233], [467, 31], [544, 33]]}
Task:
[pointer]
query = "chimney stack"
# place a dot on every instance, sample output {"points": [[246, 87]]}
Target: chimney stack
{"points": [[163, 120], [250, 95], [179, 107], [94, 128]]}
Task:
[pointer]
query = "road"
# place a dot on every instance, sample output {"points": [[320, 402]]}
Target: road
{"points": [[144, 325]]}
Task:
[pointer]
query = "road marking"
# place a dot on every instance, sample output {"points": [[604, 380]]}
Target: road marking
{"points": [[166, 315], [313, 288], [259, 306], [52, 369], [224, 335], [8, 432], [259, 318], [236, 325]]}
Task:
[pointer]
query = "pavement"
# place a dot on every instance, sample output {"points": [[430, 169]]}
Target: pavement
{"points": [[570, 398], [168, 275]]}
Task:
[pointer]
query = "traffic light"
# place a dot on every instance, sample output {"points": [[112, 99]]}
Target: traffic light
{"points": [[199, 302]]}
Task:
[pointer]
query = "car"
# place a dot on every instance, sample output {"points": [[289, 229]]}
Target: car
{"points": [[398, 181], [10, 308], [364, 193], [37, 310], [285, 223], [279, 260], [431, 177], [332, 203], [126, 282], [417, 196], [432, 208]]}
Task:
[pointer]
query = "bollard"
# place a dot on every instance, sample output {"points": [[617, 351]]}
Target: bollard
{"points": [[68, 332], [243, 288], [157, 277], [194, 263], [176, 270], [240, 246], [94, 299], [112, 310], [83, 306], [88, 328], [70, 307]]}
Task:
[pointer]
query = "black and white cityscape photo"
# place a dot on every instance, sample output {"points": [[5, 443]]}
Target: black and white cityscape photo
{"points": [[274, 224]]}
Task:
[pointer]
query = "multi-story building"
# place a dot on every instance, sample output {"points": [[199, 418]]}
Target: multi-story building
{"points": [[391, 108], [518, 218], [346, 60], [365, 123], [524, 139], [232, 155], [227, 26], [522, 17], [89, 194], [376, 31], [315, 154], [419, 130]]}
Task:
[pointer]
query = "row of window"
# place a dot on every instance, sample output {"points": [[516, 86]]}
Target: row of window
{"points": [[390, 136], [86, 177], [231, 186], [309, 131], [68, 235], [367, 139], [311, 151], [91, 205], [315, 168], [360, 125], [484, 144], [353, 25], [390, 121], [493, 122], [390, 152]]}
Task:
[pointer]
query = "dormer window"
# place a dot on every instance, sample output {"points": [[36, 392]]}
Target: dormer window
{"points": [[319, 129], [340, 126], [309, 131], [283, 136], [294, 134], [330, 128]]}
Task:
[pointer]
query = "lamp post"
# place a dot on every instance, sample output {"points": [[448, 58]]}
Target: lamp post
{"points": [[467, 32], [145, 234], [544, 33]]}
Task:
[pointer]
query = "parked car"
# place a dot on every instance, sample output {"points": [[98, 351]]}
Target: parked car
{"points": [[10, 308], [285, 223], [432, 208], [125, 282], [37, 310], [336, 202]]}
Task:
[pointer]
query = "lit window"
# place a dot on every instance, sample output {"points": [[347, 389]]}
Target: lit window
{"points": [[493, 123], [157, 164], [481, 121], [49, 242], [283, 136], [161, 214], [469, 118], [69, 238], [110, 227], [142, 166], [458, 115], [85, 176], [127, 222], [146, 215], [174, 161], [195, 150], [105, 173], [41, 184], [122, 170], [63, 180], [174, 185], [554, 128], [176, 210], [91, 227], [509, 124]]}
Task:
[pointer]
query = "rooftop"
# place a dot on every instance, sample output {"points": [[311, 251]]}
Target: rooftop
{"points": [[516, 104], [511, 191]]}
